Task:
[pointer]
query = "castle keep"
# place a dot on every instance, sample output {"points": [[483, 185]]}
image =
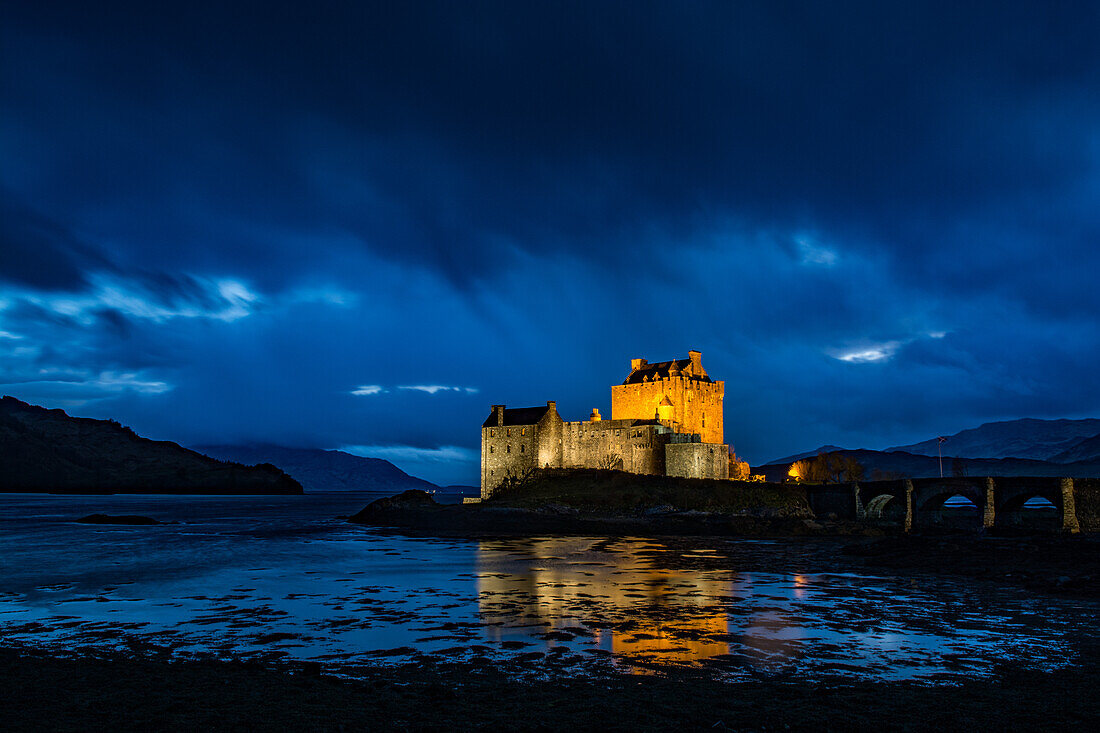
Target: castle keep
{"points": [[666, 419]]}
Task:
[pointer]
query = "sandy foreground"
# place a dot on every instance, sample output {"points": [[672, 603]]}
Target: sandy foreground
{"points": [[113, 693]]}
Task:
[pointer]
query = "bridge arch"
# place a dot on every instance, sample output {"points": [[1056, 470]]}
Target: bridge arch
{"points": [[937, 506], [1013, 511], [886, 506]]}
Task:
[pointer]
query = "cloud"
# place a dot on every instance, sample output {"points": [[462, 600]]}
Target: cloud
{"points": [[816, 254], [40, 252], [441, 454], [432, 389], [74, 388], [436, 388], [867, 354], [115, 382], [407, 197]]}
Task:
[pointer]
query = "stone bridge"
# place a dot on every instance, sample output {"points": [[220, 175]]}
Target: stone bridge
{"points": [[919, 503]]}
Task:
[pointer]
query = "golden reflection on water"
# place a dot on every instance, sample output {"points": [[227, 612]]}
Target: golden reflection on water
{"points": [[622, 595]]}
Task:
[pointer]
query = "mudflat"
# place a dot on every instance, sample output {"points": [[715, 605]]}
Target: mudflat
{"points": [[115, 693]]}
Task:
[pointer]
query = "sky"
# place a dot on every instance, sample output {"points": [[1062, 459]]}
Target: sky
{"points": [[357, 225]]}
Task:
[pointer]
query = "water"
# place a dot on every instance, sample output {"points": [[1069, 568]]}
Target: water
{"points": [[286, 578]]}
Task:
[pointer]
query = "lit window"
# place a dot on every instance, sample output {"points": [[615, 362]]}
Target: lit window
{"points": [[492, 433], [523, 431], [509, 432]]}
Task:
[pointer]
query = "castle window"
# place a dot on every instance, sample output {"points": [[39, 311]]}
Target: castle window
{"points": [[509, 449], [704, 419], [509, 432], [521, 448], [492, 432], [490, 449], [523, 431]]}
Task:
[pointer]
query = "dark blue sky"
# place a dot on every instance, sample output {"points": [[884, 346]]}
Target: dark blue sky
{"points": [[338, 224]]}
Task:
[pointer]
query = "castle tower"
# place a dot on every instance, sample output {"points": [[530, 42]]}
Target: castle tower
{"points": [[678, 392]]}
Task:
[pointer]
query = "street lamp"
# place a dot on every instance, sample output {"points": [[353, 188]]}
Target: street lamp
{"points": [[939, 449]]}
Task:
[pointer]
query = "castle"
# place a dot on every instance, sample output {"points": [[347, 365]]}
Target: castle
{"points": [[666, 419]]}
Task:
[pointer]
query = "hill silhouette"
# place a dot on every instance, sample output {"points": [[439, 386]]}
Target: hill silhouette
{"points": [[48, 451], [323, 470], [910, 465], [1041, 440]]}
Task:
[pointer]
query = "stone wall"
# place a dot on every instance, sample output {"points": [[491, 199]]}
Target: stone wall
{"points": [[614, 444], [697, 460], [516, 449], [697, 406]]}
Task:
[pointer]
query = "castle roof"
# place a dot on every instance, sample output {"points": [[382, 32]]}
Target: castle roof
{"points": [[664, 369], [517, 416]]}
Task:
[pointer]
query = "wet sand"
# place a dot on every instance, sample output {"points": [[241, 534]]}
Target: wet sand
{"points": [[113, 693]]}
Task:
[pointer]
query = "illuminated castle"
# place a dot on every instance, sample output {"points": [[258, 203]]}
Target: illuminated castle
{"points": [[666, 419]]}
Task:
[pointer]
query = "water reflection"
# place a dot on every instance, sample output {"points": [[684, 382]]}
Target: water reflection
{"points": [[627, 600], [285, 579]]}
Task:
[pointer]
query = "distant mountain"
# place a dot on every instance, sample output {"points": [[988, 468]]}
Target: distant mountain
{"points": [[909, 465], [323, 470], [1041, 440], [808, 454], [48, 451], [1087, 450]]}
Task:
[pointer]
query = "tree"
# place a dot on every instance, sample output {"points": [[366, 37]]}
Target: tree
{"points": [[827, 468], [739, 470], [516, 479], [610, 462]]}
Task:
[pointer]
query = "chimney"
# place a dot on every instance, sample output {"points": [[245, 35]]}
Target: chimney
{"points": [[552, 405], [637, 364], [498, 410], [696, 359], [595, 417]]}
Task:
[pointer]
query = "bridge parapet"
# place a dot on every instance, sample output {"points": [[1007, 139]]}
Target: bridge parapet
{"points": [[919, 503]]}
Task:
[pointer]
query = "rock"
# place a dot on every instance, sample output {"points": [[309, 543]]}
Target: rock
{"points": [[560, 509], [132, 519], [413, 499]]}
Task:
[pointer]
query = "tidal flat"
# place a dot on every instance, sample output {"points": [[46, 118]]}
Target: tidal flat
{"points": [[281, 599]]}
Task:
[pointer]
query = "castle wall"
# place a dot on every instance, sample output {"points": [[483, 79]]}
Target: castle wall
{"points": [[686, 439], [603, 444], [515, 449], [697, 406], [697, 460]]}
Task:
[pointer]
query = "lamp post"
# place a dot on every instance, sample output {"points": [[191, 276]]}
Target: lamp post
{"points": [[939, 449]]}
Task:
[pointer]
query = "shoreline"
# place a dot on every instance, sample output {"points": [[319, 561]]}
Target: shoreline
{"points": [[111, 692], [1060, 564]]}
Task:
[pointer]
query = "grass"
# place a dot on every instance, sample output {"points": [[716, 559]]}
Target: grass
{"points": [[599, 490]]}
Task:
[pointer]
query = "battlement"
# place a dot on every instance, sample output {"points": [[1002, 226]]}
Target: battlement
{"points": [[677, 392]]}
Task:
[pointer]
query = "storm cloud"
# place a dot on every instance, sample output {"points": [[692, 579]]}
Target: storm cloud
{"points": [[349, 224]]}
